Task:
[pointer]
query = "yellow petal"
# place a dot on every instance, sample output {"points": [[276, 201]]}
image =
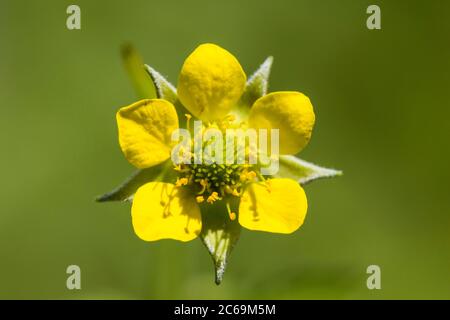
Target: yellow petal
{"points": [[145, 131], [211, 82], [290, 112], [279, 206], [163, 211]]}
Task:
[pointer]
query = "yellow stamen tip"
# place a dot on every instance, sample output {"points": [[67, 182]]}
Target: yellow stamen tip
{"points": [[213, 197], [248, 176], [182, 182], [200, 199], [232, 216]]}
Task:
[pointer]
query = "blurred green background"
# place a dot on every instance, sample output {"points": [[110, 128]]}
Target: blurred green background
{"points": [[382, 105]]}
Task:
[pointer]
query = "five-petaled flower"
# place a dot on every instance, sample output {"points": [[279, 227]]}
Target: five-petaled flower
{"points": [[210, 85]]}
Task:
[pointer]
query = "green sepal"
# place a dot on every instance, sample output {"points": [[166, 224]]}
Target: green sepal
{"points": [[219, 235], [257, 84], [164, 89], [142, 83], [125, 192], [302, 171]]}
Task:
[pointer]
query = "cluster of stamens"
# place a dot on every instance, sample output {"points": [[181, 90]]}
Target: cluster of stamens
{"points": [[211, 181]]}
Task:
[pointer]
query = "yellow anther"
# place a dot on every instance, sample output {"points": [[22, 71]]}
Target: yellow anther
{"points": [[177, 168], [213, 197], [200, 199], [247, 176], [251, 175], [232, 191], [182, 182], [231, 214], [227, 122], [188, 116], [231, 117]]}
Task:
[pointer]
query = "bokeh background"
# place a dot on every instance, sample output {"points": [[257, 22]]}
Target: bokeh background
{"points": [[382, 105]]}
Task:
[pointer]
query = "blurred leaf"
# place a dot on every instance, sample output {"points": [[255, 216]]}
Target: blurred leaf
{"points": [[127, 189], [219, 235], [134, 65], [164, 89], [257, 84], [302, 171]]}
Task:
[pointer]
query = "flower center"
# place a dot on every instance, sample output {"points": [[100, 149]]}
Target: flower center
{"points": [[220, 178], [214, 181]]}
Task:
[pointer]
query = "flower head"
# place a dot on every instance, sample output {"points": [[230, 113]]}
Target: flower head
{"points": [[212, 87], [211, 82]]}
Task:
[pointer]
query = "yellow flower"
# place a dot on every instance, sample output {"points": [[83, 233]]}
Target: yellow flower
{"points": [[210, 85]]}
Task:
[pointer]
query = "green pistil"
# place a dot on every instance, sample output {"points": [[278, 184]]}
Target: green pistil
{"points": [[213, 177]]}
